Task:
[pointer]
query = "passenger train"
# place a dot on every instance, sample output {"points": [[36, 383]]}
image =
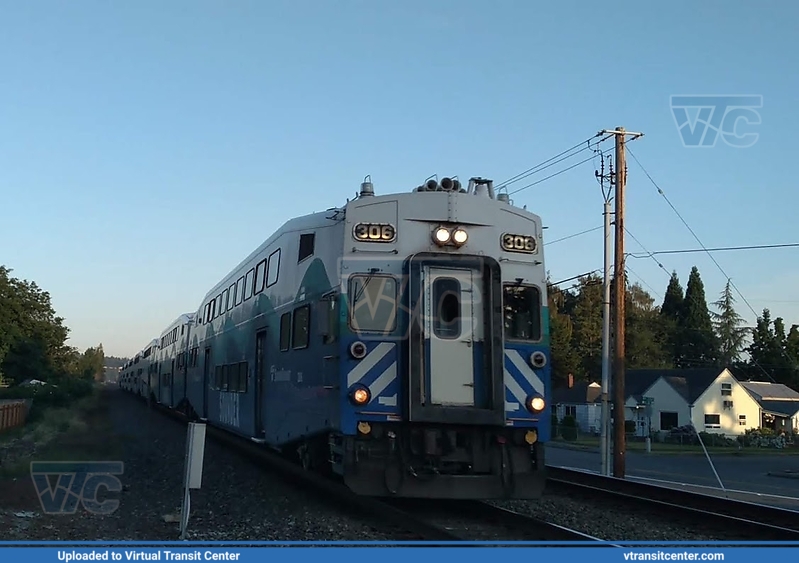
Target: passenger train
{"points": [[400, 341]]}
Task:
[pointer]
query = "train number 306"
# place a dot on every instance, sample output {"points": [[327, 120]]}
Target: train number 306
{"points": [[374, 232], [518, 243]]}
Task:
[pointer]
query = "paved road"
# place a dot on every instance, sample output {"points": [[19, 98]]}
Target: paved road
{"points": [[746, 474]]}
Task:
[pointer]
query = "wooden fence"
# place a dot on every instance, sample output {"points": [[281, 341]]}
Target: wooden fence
{"points": [[12, 415]]}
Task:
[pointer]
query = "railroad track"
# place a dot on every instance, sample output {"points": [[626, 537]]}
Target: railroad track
{"points": [[478, 521], [749, 520], [410, 519]]}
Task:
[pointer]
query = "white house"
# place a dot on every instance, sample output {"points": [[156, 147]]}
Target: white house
{"points": [[779, 404], [709, 398], [725, 407], [582, 401]]}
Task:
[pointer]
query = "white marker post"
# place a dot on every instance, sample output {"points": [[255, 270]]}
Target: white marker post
{"points": [[193, 471]]}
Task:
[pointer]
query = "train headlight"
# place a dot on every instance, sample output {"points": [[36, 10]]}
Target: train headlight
{"points": [[441, 235], [536, 404], [460, 236], [359, 395]]}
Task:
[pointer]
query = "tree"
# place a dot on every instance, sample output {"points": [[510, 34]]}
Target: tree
{"points": [[32, 336], [731, 335], [697, 346], [587, 323], [564, 357], [670, 312], [643, 336]]}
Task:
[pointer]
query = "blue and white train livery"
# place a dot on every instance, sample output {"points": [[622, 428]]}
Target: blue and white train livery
{"points": [[400, 342]]}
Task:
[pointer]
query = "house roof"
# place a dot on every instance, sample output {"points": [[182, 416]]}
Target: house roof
{"points": [[766, 391], [581, 393], [690, 383], [782, 408]]}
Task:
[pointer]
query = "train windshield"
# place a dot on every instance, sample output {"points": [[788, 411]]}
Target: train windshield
{"points": [[522, 312], [373, 303]]}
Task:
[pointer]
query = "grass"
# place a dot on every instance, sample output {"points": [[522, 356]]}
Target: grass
{"points": [[679, 449], [77, 432]]}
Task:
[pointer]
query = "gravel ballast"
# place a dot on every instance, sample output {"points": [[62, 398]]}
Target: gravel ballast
{"points": [[240, 501], [237, 501]]}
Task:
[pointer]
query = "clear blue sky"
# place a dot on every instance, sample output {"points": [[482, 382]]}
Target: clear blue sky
{"points": [[126, 126]]}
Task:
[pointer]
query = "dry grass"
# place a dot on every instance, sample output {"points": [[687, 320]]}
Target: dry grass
{"points": [[77, 432]]}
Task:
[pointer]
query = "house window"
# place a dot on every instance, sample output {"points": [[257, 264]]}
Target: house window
{"points": [[570, 410], [668, 420], [726, 389], [741, 420], [306, 246], [712, 421]]}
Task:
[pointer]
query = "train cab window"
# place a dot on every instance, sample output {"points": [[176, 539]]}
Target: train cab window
{"points": [[447, 303], [373, 303], [306, 246], [240, 290], [301, 326], [522, 312], [273, 270], [285, 332], [260, 276], [248, 284]]}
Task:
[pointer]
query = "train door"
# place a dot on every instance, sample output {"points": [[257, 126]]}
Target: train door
{"points": [[452, 325], [206, 380], [260, 381]]}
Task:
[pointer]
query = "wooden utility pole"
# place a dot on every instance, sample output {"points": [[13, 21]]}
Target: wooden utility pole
{"points": [[618, 306]]}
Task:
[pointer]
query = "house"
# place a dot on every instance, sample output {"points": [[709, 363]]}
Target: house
{"points": [[779, 405], [582, 401], [711, 399]]}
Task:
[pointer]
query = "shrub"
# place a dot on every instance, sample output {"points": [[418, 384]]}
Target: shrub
{"points": [[568, 428]]}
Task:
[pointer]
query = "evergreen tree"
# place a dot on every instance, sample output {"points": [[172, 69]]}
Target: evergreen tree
{"points": [[587, 332], [698, 346], [643, 331], [670, 312], [564, 357], [731, 335]]}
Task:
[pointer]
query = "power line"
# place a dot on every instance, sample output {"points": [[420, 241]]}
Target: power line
{"points": [[529, 171], [719, 249], [552, 175], [574, 235], [705, 249], [684, 222], [576, 277]]}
